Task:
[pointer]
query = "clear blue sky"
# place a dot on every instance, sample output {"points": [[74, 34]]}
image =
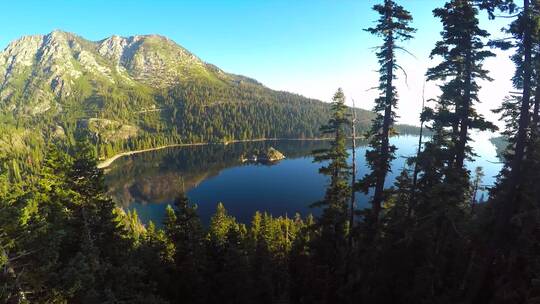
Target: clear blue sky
{"points": [[305, 46]]}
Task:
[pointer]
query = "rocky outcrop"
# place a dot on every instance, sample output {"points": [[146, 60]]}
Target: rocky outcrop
{"points": [[273, 155], [38, 72], [269, 155], [108, 130]]}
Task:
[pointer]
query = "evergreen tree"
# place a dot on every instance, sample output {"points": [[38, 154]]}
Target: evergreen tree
{"points": [[305, 281], [394, 27], [217, 243], [476, 186], [235, 275], [438, 223], [330, 246], [15, 281], [512, 221], [74, 242], [184, 229], [156, 252], [463, 52], [510, 190], [442, 161]]}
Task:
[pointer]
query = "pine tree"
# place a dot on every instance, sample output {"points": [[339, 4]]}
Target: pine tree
{"points": [[156, 253], [330, 247], [304, 280], [14, 251], [334, 217], [184, 229], [394, 27], [396, 214], [217, 242], [220, 223], [476, 186], [103, 247], [462, 51], [437, 227], [510, 189], [511, 222], [235, 275]]}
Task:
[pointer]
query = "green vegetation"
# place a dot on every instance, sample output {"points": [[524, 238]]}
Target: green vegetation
{"points": [[62, 240], [393, 27], [138, 104], [269, 155]]}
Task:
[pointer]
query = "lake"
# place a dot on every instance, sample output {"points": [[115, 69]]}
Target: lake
{"points": [[214, 173]]}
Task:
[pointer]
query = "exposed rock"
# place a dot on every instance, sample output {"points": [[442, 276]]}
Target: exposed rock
{"points": [[58, 132], [88, 60], [108, 130], [41, 70], [271, 155]]}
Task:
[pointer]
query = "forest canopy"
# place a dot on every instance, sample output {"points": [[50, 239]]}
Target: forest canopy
{"points": [[425, 239]]}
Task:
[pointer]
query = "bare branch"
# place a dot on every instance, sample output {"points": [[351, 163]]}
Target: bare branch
{"points": [[405, 73], [406, 51]]}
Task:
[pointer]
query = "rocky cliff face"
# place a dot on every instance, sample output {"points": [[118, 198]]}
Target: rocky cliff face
{"points": [[152, 59], [37, 72]]}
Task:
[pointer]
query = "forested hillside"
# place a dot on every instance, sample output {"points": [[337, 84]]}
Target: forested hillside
{"points": [[135, 93], [426, 239]]}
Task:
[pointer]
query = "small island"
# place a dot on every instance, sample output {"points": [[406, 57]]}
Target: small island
{"points": [[269, 155]]}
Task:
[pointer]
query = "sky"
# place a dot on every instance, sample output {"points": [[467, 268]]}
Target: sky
{"points": [[309, 47]]}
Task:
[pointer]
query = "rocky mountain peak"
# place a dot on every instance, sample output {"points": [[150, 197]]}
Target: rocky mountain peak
{"points": [[44, 69]]}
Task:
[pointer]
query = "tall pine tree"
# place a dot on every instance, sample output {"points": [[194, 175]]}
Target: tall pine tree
{"points": [[330, 246], [394, 27], [462, 51]]}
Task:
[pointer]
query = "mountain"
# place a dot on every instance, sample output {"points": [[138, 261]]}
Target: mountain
{"points": [[138, 92], [38, 72]]}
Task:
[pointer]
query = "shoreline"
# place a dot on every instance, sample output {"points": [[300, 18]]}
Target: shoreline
{"points": [[109, 161]]}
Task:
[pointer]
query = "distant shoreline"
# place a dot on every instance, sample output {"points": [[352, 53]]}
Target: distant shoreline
{"points": [[107, 162]]}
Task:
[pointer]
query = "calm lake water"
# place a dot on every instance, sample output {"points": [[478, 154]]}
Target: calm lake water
{"points": [[209, 174]]}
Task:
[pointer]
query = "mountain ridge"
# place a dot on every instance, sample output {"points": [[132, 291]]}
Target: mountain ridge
{"points": [[139, 92], [47, 67]]}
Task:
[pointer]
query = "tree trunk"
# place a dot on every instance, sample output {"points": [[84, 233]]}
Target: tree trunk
{"points": [[464, 113], [387, 121], [510, 205], [501, 239], [353, 199], [535, 118], [353, 178], [412, 200]]}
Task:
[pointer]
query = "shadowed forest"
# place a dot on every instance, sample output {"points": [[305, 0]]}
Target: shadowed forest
{"points": [[426, 239]]}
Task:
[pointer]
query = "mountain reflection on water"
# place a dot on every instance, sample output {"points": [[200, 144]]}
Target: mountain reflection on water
{"points": [[157, 177], [214, 173]]}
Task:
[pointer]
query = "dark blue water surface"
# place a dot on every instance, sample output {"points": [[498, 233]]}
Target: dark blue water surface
{"points": [[214, 173]]}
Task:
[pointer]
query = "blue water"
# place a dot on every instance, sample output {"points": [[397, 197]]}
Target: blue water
{"points": [[210, 174]]}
